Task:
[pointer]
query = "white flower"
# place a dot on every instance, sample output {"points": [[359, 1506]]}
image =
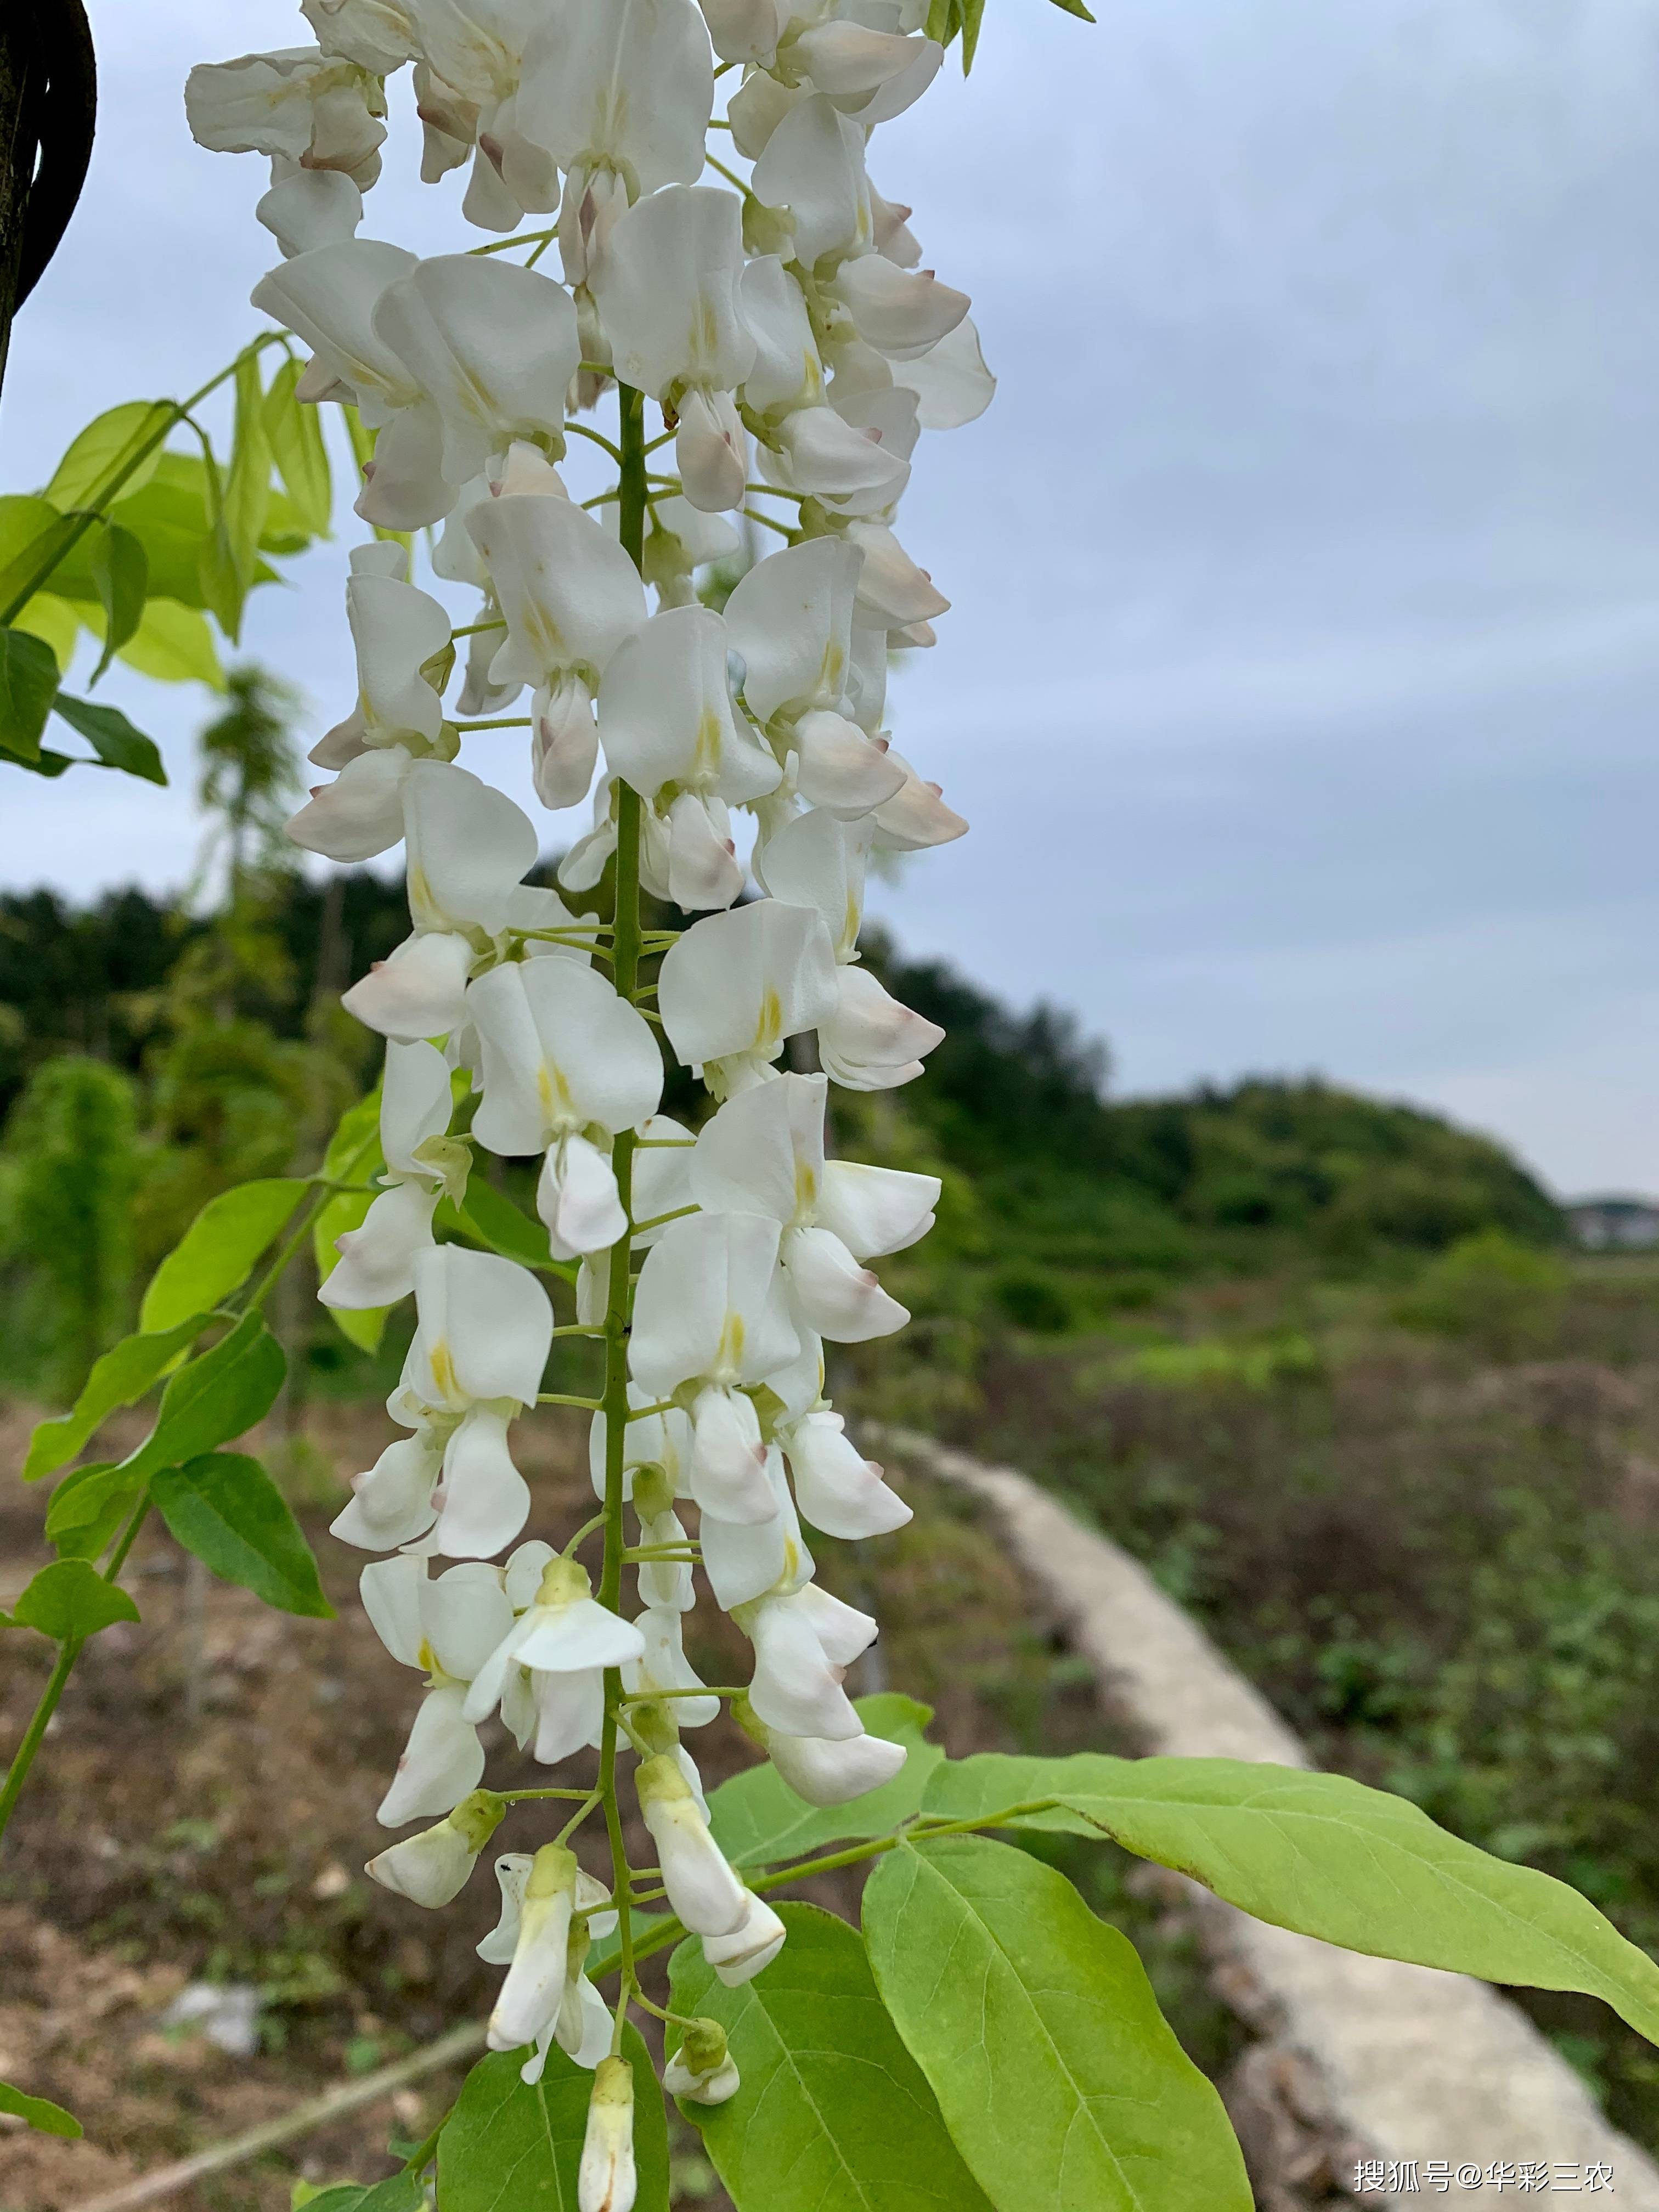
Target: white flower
{"points": [[492, 346], [327, 298], [534, 1989], [568, 591], [620, 98], [701, 2070], [659, 1440], [484, 1328], [667, 290], [753, 1558], [803, 1643], [377, 35], [813, 168], [433, 1868], [447, 1628], [710, 1312], [790, 621], [301, 104], [867, 1041], [741, 1953], [951, 381], [901, 312], [565, 1639], [377, 1260], [469, 848], [735, 986], [763, 1153], [702, 1889], [837, 1488], [606, 2177], [565, 1061]]}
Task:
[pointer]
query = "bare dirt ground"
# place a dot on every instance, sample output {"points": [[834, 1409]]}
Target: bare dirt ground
{"points": [[205, 1801]]}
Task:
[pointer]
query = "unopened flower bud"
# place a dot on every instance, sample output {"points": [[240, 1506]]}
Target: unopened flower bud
{"points": [[701, 2070], [433, 1868], [701, 1887], [534, 1987], [605, 2179]]}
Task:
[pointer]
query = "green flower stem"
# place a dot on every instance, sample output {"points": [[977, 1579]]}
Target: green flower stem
{"points": [[625, 974], [658, 1697], [657, 1220], [525, 1796], [472, 629], [524, 238], [496, 722], [646, 1412], [580, 1329], [564, 1398], [729, 175], [595, 437], [581, 1536], [770, 522]]}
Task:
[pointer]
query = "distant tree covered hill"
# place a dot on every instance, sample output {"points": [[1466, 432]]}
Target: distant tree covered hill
{"points": [[1016, 1103]]}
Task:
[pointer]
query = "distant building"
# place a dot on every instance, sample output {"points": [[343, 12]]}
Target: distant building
{"points": [[1614, 1224]]}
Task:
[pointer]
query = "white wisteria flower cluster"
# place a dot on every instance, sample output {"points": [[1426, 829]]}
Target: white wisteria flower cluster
{"points": [[782, 326]]}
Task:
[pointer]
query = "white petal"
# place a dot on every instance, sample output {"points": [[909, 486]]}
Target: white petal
{"points": [[442, 1760], [419, 991], [376, 1265], [702, 1889], [787, 372], [818, 861], [511, 1872], [327, 298], [813, 165], [871, 1042], [891, 590], [826, 1773], [469, 847], [631, 82], [492, 344], [571, 1638], [465, 1614], [708, 1304], [392, 1504], [564, 743], [391, 1591], [739, 983], [749, 1948], [569, 592], [396, 629], [918, 816], [840, 1299], [569, 1713], [839, 769], [414, 1103], [665, 713], [703, 868], [358, 815], [843, 1632], [576, 1197], [485, 1326], [763, 1153], [795, 1687], [876, 1210], [313, 207], [484, 1500], [668, 291], [711, 452], [950, 380], [404, 486], [790, 618], [836, 1489], [728, 1471], [743, 1561], [825, 454], [664, 1666]]}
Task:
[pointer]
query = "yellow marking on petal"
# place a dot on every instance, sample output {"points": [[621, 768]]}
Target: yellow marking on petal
{"points": [[707, 762], [554, 1092], [729, 1358], [769, 1030], [832, 669], [806, 1193], [443, 1369]]}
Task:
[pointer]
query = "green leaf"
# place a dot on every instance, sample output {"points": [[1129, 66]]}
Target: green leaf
{"points": [[509, 2148], [107, 447], [214, 1398], [363, 1325], [38, 2112], [120, 574], [32, 535], [834, 2114], [1061, 2081], [758, 1819], [1075, 8], [28, 684], [69, 1599], [216, 1253], [120, 1377], [226, 1508], [56, 621], [247, 486], [222, 587], [491, 1220], [1333, 1858], [174, 644], [295, 438], [113, 738], [354, 1152], [87, 1507], [401, 2192]]}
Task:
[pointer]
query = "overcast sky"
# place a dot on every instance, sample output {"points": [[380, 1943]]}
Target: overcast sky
{"points": [[1301, 677]]}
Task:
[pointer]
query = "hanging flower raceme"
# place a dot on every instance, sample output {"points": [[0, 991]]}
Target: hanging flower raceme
{"points": [[795, 348]]}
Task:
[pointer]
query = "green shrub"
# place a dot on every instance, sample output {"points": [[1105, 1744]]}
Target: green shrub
{"points": [[1498, 1296]]}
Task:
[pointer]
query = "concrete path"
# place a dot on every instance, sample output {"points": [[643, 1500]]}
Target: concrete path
{"points": [[1381, 2060]]}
